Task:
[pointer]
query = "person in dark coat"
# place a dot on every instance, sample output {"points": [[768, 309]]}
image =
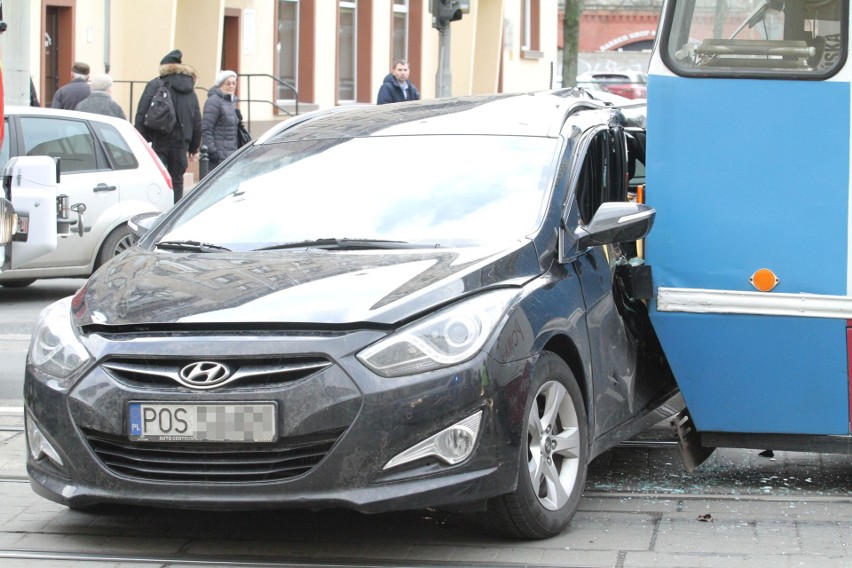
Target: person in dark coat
{"points": [[219, 125], [185, 137], [100, 101], [33, 95], [69, 95], [396, 86]]}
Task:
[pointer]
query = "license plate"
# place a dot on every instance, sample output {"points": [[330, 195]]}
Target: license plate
{"points": [[214, 422], [23, 225]]}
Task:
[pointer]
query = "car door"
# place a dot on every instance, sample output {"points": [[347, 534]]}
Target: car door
{"points": [[625, 378], [86, 178]]}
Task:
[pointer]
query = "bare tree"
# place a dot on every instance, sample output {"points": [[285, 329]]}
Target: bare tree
{"points": [[570, 41]]}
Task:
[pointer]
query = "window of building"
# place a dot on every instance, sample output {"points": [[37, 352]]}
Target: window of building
{"points": [[724, 38], [347, 43], [530, 29], [288, 48], [400, 30]]}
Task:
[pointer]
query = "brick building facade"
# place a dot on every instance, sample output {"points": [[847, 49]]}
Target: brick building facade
{"points": [[617, 25]]}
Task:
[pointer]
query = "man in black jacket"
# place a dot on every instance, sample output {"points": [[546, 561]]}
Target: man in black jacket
{"points": [[185, 137], [396, 86], [69, 95]]}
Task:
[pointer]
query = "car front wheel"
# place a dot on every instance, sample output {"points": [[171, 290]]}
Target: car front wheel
{"points": [[118, 241], [555, 445]]}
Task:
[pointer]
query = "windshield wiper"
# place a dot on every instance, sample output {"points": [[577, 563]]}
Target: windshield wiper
{"points": [[350, 244], [194, 246]]}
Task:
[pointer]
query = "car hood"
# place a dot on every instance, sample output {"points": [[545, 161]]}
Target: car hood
{"points": [[293, 289]]}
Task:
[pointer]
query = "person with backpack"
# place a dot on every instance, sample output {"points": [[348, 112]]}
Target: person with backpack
{"points": [[169, 117]]}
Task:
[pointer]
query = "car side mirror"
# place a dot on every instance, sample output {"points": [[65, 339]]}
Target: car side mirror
{"points": [[616, 222], [140, 224]]}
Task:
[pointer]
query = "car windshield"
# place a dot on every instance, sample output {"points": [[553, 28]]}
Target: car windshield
{"points": [[437, 190]]}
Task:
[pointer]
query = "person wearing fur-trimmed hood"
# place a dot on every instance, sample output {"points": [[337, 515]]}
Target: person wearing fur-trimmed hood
{"points": [[175, 147]]}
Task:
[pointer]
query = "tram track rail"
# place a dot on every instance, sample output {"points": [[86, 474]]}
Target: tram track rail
{"points": [[60, 556]]}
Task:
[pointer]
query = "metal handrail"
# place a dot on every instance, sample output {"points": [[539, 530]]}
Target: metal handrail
{"points": [[249, 76], [131, 115], [276, 80]]}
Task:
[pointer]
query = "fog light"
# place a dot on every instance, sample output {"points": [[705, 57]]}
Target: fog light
{"points": [[451, 445], [40, 448]]}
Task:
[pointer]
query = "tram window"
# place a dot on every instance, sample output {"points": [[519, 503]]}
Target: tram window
{"points": [[753, 38]]}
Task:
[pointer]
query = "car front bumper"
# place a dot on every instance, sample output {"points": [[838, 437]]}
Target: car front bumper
{"points": [[337, 429]]}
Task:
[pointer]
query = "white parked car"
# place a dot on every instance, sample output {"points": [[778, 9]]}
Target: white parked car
{"points": [[106, 165]]}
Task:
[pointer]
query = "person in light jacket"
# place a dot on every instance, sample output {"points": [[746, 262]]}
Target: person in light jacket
{"points": [[219, 125]]}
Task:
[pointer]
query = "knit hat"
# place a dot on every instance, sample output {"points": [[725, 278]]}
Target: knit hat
{"points": [[223, 76], [80, 68], [100, 82], [173, 56]]}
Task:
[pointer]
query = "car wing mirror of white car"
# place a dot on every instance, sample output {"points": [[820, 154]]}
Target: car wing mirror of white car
{"points": [[140, 224]]}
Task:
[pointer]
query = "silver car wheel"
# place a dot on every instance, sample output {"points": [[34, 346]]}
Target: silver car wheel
{"points": [[126, 242], [553, 445]]}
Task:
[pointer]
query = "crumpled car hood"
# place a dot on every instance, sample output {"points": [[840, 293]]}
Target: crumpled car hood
{"points": [[292, 288]]}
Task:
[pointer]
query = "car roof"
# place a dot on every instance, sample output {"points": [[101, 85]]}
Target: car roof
{"points": [[520, 114], [61, 113]]}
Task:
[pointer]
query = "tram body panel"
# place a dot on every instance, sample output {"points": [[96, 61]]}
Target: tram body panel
{"points": [[749, 174]]}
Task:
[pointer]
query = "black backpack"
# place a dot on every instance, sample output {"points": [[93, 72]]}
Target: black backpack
{"points": [[161, 116]]}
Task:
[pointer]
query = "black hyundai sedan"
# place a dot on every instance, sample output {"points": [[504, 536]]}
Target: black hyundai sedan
{"points": [[429, 304]]}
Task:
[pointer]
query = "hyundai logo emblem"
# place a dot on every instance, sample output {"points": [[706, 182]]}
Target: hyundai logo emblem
{"points": [[204, 374]]}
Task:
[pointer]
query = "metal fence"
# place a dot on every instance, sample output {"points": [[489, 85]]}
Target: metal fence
{"points": [[137, 87]]}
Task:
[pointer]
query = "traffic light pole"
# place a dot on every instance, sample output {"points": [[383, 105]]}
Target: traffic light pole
{"points": [[444, 77]]}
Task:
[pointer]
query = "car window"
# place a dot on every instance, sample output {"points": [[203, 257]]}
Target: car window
{"points": [[4, 150], [438, 189], [595, 185], [119, 153], [69, 140]]}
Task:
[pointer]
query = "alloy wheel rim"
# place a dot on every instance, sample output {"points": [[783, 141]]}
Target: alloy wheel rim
{"points": [[124, 244], [553, 446]]}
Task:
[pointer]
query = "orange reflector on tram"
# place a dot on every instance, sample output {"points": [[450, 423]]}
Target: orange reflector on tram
{"points": [[764, 280]]}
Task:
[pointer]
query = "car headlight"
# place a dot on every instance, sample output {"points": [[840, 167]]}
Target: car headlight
{"points": [[54, 348], [445, 338]]}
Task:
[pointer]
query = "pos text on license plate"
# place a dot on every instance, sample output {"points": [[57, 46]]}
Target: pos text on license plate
{"points": [[212, 422]]}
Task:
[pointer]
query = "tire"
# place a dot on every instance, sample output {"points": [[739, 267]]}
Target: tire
{"points": [[23, 283], [118, 241], [555, 449]]}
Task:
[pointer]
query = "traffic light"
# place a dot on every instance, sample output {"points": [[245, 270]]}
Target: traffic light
{"points": [[446, 11]]}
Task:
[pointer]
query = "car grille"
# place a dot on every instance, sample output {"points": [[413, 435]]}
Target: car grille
{"points": [[151, 372], [212, 463]]}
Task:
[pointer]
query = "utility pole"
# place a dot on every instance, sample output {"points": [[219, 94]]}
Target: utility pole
{"points": [[444, 12], [571, 41]]}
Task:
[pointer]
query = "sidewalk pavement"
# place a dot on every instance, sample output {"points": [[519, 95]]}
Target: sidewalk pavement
{"points": [[640, 510]]}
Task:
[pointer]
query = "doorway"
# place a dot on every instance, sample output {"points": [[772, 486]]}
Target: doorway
{"points": [[58, 54], [231, 40]]}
